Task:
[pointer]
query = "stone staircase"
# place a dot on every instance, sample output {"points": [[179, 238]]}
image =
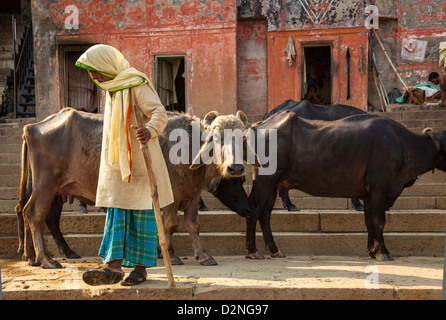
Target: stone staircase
{"points": [[7, 60], [416, 224]]}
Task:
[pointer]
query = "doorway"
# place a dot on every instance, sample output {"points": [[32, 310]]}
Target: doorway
{"points": [[77, 89], [317, 74], [171, 82]]}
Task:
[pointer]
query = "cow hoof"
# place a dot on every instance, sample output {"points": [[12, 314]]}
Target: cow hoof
{"points": [[255, 255], [278, 254], [72, 255], [384, 257], [176, 261], [208, 262], [33, 263], [293, 208], [51, 264]]}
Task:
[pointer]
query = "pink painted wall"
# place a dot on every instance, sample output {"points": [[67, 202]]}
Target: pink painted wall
{"points": [[252, 96], [203, 31]]}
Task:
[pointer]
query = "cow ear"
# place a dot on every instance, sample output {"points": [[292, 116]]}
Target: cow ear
{"points": [[208, 118], [242, 116]]}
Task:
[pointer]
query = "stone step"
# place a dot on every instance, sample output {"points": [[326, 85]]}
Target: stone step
{"points": [[9, 180], [14, 126], [319, 221], [418, 189], [9, 193], [415, 115], [420, 198], [15, 148], [11, 139], [304, 203], [10, 158], [10, 168], [233, 243], [416, 118], [296, 277], [409, 107], [416, 125]]}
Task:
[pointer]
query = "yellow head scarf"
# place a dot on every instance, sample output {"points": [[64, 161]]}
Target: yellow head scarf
{"points": [[110, 62]]}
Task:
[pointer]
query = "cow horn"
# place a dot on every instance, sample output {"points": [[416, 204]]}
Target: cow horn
{"points": [[209, 117], [428, 131], [242, 116]]}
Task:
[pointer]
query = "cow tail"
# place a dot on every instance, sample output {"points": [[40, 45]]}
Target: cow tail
{"points": [[24, 176]]}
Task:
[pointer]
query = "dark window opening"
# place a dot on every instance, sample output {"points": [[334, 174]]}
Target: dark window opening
{"points": [[171, 82], [317, 84]]}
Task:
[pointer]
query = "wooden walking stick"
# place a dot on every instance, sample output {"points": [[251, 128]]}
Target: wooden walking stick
{"points": [[388, 58], [155, 200]]}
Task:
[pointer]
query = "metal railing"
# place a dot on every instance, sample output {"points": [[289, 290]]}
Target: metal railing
{"points": [[24, 95]]}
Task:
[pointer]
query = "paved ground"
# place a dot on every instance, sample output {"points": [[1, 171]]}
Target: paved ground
{"points": [[294, 277]]}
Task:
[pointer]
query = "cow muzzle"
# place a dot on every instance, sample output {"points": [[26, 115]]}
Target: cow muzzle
{"points": [[235, 170]]}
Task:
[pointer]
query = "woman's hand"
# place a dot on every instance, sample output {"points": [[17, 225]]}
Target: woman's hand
{"points": [[142, 134]]}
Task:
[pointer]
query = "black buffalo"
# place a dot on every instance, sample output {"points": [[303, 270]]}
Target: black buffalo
{"points": [[368, 157], [307, 110]]}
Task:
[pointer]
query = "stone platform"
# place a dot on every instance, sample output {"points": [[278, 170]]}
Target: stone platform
{"points": [[295, 277]]}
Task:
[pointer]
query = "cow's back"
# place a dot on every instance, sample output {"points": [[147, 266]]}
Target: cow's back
{"points": [[64, 151], [307, 110]]}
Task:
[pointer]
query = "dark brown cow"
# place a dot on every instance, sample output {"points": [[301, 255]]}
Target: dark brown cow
{"points": [[61, 155]]}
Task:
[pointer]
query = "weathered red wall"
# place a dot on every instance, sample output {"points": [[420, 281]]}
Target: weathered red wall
{"points": [[203, 31], [421, 20], [252, 96], [285, 82]]}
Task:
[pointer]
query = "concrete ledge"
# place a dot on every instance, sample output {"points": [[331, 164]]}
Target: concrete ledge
{"points": [[340, 232], [431, 220], [233, 243], [237, 278]]}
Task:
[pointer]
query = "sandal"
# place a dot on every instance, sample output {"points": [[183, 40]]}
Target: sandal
{"points": [[97, 277], [133, 279]]}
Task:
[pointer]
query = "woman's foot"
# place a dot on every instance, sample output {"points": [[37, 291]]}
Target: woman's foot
{"points": [[135, 277], [110, 274], [96, 277]]}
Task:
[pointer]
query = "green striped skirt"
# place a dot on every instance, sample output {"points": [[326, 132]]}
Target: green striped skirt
{"points": [[130, 235]]}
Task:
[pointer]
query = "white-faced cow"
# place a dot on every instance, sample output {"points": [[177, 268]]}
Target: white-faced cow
{"points": [[60, 158], [368, 157]]}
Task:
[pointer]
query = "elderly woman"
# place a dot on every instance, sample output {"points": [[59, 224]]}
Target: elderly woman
{"points": [[130, 235]]}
